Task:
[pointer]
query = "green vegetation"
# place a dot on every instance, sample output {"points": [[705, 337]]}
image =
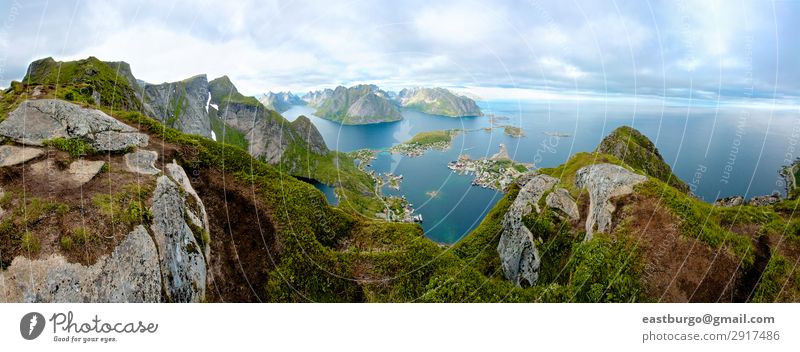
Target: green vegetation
{"points": [[780, 281], [75, 147], [127, 207], [82, 80], [566, 172], [29, 243], [432, 137]]}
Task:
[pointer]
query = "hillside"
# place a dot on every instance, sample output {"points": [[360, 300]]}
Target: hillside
{"points": [[182, 105], [438, 101], [357, 105], [242, 229]]}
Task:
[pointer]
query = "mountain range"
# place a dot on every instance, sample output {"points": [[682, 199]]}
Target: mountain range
{"points": [[367, 104]]}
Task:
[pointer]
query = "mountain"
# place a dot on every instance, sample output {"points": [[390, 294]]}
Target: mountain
{"points": [[281, 101], [182, 105], [438, 101], [357, 105], [636, 150], [106, 190]]}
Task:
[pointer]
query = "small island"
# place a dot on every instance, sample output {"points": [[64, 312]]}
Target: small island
{"points": [[424, 141], [516, 132], [496, 172], [432, 194]]}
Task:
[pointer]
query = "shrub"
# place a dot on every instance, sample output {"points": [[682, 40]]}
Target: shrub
{"points": [[66, 242], [75, 147], [30, 243]]}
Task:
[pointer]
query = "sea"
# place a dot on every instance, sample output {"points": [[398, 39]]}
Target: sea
{"points": [[719, 150]]}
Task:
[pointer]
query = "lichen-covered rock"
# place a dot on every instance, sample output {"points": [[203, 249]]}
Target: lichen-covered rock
{"points": [[36, 121], [142, 162], [195, 209], [130, 274], [11, 155], [561, 200], [183, 267], [729, 201], [519, 257], [603, 182]]}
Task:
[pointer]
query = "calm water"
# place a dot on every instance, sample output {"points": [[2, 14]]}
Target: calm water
{"points": [[720, 152]]}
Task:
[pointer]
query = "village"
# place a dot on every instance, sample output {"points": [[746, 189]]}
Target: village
{"points": [[496, 172]]}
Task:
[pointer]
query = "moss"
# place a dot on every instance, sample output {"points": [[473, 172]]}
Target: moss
{"points": [[127, 207]]}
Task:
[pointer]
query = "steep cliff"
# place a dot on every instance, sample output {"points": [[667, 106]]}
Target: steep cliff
{"points": [[357, 105], [181, 105]]}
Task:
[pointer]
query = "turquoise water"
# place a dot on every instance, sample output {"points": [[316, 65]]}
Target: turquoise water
{"points": [[718, 151]]}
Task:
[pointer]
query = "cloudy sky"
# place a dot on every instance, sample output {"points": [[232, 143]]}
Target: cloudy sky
{"points": [[682, 48]]}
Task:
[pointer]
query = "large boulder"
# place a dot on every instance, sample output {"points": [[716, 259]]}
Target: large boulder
{"points": [[36, 121], [183, 267], [519, 257], [130, 274], [603, 182]]}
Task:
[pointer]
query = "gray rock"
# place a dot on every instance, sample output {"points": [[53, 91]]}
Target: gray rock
{"points": [[35, 121], [195, 208], [79, 172], [82, 171], [518, 254], [142, 162], [561, 200], [603, 182], [438, 101], [183, 267], [729, 201], [189, 98], [129, 274], [11, 155], [762, 201]]}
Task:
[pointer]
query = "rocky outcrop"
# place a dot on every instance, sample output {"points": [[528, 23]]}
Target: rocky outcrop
{"points": [[762, 201], [195, 209], [309, 133], [636, 150], [11, 155], [130, 274], [357, 105], [438, 101], [316, 98], [561, 200], [183, 266], [603, 182], [519, 257], [142, 162], [280, 101], [181, 105], [36, 121], [729, 201]]}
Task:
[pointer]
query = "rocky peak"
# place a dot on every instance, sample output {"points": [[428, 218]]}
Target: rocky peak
{"points": [[309, 133], [181, 105], [636, 150], [603, 182]]}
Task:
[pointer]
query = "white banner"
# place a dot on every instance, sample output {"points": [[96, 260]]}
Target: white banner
{"points": [[399, 327]]}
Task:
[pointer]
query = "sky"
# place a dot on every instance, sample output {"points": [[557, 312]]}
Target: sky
{"points": [[514, 49]]}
